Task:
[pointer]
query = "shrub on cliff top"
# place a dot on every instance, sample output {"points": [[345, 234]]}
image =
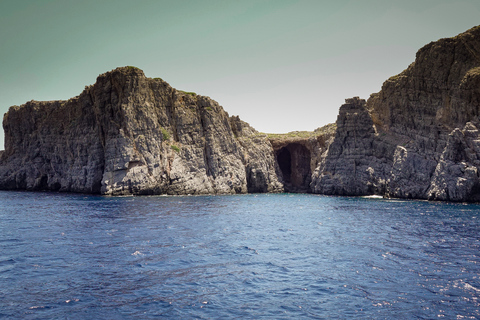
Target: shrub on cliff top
{"points": [[189, 93]]}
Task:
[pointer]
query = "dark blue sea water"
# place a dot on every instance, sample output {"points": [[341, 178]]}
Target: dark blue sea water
{"points": [[277, 256]]}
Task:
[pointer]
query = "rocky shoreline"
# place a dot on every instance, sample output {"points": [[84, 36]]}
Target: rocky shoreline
{"points": [[417, 138]]}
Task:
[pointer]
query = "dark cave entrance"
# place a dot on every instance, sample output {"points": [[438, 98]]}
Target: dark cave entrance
{"points": [[294, 163], [284, 159]]}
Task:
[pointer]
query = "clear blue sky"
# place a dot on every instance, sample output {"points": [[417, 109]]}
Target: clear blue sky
{"points": [[282, 65]]}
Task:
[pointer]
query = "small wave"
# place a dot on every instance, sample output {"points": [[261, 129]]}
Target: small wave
{"points": [[373, 196], [470, 287], [6, 265], [39, 307], [6, 261], [251, 249]]}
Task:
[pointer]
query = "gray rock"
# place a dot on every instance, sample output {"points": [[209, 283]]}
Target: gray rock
{"points": [[408, 140], [456, 176], [351, 165], [128, 134]]}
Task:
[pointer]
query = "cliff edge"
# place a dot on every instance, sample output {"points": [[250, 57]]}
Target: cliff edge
{"points": [[129, 134], [418, 137]]}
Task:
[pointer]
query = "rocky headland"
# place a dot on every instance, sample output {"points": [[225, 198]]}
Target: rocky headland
{"points": [[129, 134], [418, 137]]}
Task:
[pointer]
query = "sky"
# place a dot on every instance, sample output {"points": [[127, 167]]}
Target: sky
{"points": [[281, 65]]}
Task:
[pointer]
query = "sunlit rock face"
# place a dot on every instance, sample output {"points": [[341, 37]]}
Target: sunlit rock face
{"points": [[129, 134], [416, 138], [351, 164]]}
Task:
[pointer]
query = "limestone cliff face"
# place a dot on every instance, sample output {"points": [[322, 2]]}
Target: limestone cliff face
{"points": [[419, 137], [416, 138], [258, 157], [351, 165], [129, 134]]}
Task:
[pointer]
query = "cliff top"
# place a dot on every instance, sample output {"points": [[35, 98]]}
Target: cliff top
{"points": [[131, 72], [466, 38], [327, 130]]}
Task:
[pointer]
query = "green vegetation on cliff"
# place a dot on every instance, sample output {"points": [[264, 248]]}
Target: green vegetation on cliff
{"points": [[328, 129]]}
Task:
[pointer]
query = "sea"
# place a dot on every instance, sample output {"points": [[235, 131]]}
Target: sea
{"points": [[255, 256]]}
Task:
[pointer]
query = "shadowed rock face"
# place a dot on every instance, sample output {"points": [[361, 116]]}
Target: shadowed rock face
{"points": [[351, 160], [294, 162]]}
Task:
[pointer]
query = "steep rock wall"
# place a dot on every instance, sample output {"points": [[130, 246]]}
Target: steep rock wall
{"points": [[417, 137], [129, 134], [353, 163]]}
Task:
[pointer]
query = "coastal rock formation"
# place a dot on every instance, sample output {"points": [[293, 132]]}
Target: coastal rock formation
{"points": [[352, 164], [258, 157], [456, 176], [298, 154], [417, 137], [129, 134]]}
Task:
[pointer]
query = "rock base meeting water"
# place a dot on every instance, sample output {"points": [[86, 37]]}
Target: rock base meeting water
{"points": [[128, 134]]}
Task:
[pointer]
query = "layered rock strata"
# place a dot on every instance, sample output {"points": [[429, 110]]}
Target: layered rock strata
{"points": [[129, 134], [418, 137]]}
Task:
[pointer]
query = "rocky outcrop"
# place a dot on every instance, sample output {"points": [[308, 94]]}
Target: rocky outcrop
{"points": [[353, 164], [417, 137], [258, 157], [456, 176], [129, 134]]}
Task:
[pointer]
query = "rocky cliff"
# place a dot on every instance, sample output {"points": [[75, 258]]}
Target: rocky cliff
{"points": [[129, 134], [418, 137]]}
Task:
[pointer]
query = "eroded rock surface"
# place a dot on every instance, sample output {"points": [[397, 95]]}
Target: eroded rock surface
{"points": [[416, 138], [129, 134], [419, 137], [352, 164]]}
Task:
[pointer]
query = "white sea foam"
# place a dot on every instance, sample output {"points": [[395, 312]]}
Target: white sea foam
{"points": [[373, 196]]}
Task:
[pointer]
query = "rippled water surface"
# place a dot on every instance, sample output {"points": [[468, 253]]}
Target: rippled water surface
{"points": [[274, 256]]}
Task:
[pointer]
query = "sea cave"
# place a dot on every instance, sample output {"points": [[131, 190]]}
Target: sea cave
{"points": [[294, 162]]}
